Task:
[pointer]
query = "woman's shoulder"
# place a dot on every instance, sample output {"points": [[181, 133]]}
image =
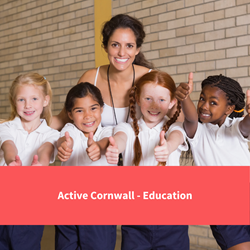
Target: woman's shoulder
{"points": [[140, 71], [90, 75]]}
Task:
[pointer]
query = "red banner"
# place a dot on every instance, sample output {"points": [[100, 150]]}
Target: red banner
{"points": [[125, 195]]}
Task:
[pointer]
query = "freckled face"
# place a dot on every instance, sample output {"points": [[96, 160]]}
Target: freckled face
{"points": [[154, 102], [213, 105], [86, 114], [122, 48]]}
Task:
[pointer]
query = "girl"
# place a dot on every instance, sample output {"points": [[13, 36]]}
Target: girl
{"points": [[84, 105], [154, 139], [26, 139], [219, 135]]}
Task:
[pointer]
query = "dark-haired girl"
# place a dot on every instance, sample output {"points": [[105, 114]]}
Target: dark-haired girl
{"points": [[123, 37], [219, 135], [84, 105], [152, 140]]}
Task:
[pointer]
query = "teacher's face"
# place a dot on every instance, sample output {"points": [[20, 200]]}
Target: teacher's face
{"points": [[122, 48]]}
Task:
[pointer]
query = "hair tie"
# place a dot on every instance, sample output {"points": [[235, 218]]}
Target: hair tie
{"points": [[44, 77], [239, 111]]}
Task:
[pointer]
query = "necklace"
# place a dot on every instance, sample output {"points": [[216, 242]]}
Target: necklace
{"points": [[112, 96]]}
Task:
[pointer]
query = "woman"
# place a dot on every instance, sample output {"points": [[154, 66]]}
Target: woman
{"points": [[123, 36]]}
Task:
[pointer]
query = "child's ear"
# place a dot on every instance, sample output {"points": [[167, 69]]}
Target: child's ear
{"points": [[70, 116], [46, 100], [172, 103], [105, 48], [230, 109]]}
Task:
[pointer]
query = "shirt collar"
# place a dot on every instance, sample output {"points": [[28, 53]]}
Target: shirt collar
{"points": [[41, 129], [157, 128], [227, 123]]}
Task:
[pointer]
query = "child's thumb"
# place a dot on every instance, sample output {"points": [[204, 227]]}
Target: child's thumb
{"points": [[112, 141], [35, 160], [248, 97], [67, 136], [18, 160], [190, 81], [90, 138], [162, 138]]}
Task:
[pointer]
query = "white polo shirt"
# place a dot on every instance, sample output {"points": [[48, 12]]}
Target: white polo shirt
{"points": [[27, 143], [79, 156], [149, 139], [220, 146]]}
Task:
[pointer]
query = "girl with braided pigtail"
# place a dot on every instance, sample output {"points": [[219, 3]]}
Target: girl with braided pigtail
{"points": [[152, 140], [218, 135]]}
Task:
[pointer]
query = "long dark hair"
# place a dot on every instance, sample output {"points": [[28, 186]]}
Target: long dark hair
{"points": [[126, 21]]}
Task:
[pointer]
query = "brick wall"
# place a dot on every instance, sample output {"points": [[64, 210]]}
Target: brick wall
{"points": [[56, 39], [52, 37]]}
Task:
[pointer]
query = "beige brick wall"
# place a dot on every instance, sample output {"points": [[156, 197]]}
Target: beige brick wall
{"points": [[207, 37], [52, 37], [56, 39]]}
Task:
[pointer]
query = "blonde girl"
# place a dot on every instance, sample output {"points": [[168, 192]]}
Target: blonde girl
{"points": [[26, 139], [152, 140]]}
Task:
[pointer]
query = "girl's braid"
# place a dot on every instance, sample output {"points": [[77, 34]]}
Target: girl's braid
{"points": [[137, 145], [169, 123]]}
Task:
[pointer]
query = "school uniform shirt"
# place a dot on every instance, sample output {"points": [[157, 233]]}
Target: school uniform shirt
{"points": [[149, 139], [79, 156], [220, 146], [26, 143]]}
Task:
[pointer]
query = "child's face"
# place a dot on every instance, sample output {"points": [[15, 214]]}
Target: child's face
{"points": [[86, 114], [30, 102], [213, 105], [154, 102]]}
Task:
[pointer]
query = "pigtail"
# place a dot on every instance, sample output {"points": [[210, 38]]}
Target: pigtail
{"points": [[169, 123], [137, 145]]}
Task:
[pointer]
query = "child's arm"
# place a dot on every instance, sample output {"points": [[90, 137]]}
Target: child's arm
{"points": [[191, 118], [117, 144], [64, 146], [10, 153], [43, 155], [58, 121], [168, 146], [245, 123]]}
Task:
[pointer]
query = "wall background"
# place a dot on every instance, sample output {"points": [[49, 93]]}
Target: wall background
{"points": [[56, 38]]}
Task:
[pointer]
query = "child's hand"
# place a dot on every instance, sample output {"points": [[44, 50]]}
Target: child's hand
{"points": [[248, 102], [93, 149], [35, 161], [161, 151], [184, 89], [16, 162], [112, 153], [65, 149]]}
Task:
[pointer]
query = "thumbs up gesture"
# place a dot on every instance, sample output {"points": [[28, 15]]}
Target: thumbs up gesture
{"points": [[162, 151], [93, 149], [35, 161], [112, 153], [184, 89], [16, 162], [248, 102], [65, 149]]}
